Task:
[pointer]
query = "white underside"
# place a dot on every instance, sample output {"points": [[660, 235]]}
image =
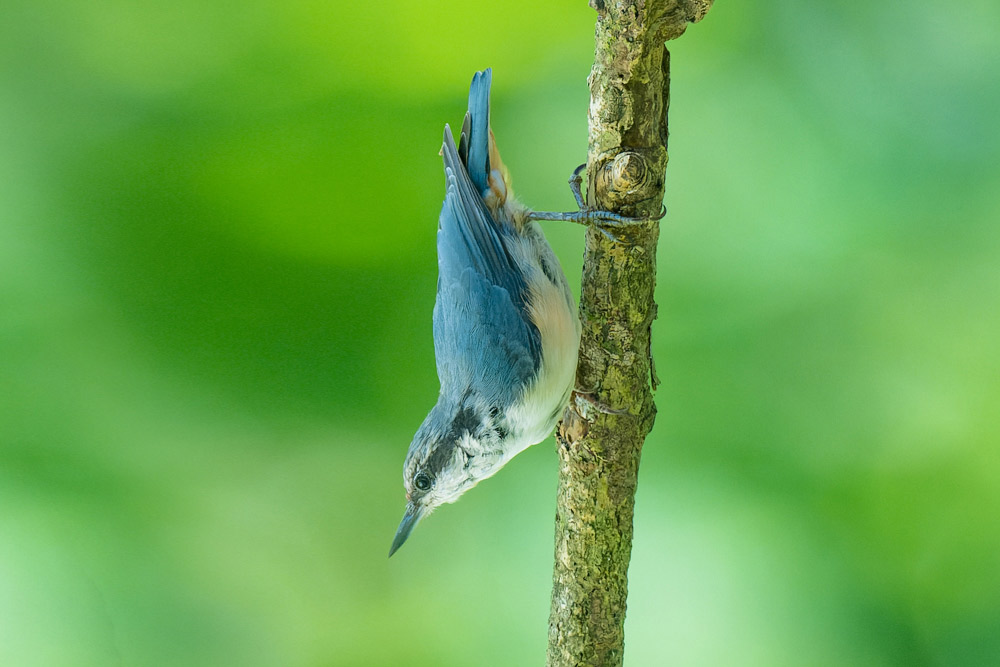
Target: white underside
{"points": [[554, 314]]}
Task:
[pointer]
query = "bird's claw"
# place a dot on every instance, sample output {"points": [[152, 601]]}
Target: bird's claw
{"points": [[604, 221]]}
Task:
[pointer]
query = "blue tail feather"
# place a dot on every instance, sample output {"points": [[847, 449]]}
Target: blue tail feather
{"points": [[478, 162]]}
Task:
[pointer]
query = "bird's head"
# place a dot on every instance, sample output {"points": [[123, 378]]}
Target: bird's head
{"points": [[452, 452]]}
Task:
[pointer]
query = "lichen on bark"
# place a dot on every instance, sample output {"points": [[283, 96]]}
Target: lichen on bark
{"points": [[600, 437]]}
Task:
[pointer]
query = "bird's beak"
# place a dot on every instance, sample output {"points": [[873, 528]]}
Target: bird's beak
{"points": [[409, 522]]}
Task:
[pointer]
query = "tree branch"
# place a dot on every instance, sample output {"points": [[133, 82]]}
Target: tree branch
{"points": [[601, 435]]}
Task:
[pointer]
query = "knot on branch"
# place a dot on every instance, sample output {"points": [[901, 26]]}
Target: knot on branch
{"points": [[700, 8], [670, 19], [628, 172], [630, 177]]}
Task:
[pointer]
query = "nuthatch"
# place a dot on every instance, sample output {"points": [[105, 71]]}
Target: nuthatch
{"points": [[506, 332]]}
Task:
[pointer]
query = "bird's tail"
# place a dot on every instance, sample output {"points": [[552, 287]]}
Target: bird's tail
{"points": [[474, 144]]}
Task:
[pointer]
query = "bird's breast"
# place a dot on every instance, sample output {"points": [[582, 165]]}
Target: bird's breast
{"points": [[552, 311]]}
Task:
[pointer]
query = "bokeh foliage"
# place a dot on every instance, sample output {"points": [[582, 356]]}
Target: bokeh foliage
{"points": [[216, 274]]}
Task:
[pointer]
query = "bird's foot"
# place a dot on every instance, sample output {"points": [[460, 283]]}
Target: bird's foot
{"points": [[605, 221]]}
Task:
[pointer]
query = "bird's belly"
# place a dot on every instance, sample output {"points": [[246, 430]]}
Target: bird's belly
{"points": [[552, 312]]}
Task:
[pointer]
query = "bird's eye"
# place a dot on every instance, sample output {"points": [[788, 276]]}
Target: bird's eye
{"points": [[422, 481]]}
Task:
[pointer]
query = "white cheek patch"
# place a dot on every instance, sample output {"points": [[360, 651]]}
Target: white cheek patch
{"points": [[471, 464]]}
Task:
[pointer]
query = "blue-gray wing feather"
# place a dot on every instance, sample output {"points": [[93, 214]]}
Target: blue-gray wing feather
{"points": [[484, 339]]}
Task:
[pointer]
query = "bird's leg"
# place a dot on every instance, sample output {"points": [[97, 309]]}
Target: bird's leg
{"points": [[588, 216]]}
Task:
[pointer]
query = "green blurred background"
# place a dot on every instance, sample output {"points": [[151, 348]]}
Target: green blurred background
{"points": [[217, 268]]}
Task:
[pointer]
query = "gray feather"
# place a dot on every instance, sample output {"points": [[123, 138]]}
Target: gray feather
{"points": [[484, 340]]}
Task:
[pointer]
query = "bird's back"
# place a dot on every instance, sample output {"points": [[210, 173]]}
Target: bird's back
{"points": [[485, 341]]}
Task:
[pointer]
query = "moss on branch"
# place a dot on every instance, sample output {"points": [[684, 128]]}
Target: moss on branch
{"points": [[601, 435]]}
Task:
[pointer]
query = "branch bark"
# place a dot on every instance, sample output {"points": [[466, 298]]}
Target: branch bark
{"points": [[599, 447]]}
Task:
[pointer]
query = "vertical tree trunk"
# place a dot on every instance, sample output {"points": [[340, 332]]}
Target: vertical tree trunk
{"points": [[601, 435]]}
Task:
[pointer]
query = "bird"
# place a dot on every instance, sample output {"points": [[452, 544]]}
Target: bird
{"points": [[505, 325]]}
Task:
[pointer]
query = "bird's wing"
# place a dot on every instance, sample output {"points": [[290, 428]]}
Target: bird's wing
{"points": [[484, 339]]}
